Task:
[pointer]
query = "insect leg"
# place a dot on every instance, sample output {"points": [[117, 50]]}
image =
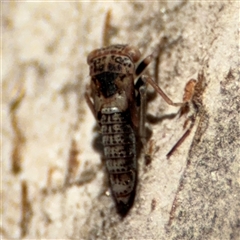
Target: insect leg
{"points": [[142, 111], [141, 67], [161, 92], [184, 136], [89, 103], [141, 99]]}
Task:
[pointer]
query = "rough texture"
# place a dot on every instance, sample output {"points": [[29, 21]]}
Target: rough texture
{"points": [[54, 184]]}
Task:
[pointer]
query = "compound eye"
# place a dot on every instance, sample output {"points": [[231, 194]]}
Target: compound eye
{"points": [[133, 53], [92, 55]]}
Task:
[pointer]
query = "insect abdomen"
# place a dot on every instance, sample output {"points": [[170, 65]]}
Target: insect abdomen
{"points": [[120, 155]]}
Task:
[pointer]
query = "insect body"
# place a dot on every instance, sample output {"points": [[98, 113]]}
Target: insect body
{"points": [[118, 106]]}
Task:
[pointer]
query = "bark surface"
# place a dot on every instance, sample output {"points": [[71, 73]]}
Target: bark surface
{"points": [[53, 181]]}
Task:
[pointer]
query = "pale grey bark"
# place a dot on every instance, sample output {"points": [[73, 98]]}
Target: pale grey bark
{"points": [[47, 124]]}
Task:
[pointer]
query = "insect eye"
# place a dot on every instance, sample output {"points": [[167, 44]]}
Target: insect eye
{"points": [[133, 53], [92, 55]]}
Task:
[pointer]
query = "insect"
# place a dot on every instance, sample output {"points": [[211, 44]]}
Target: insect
{"points": [[117, 99]]}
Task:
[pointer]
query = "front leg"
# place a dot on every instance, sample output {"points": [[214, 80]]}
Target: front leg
{"points": [[89, 102]]}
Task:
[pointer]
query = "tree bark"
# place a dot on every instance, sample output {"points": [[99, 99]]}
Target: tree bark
{"points": [[54, 182]]}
